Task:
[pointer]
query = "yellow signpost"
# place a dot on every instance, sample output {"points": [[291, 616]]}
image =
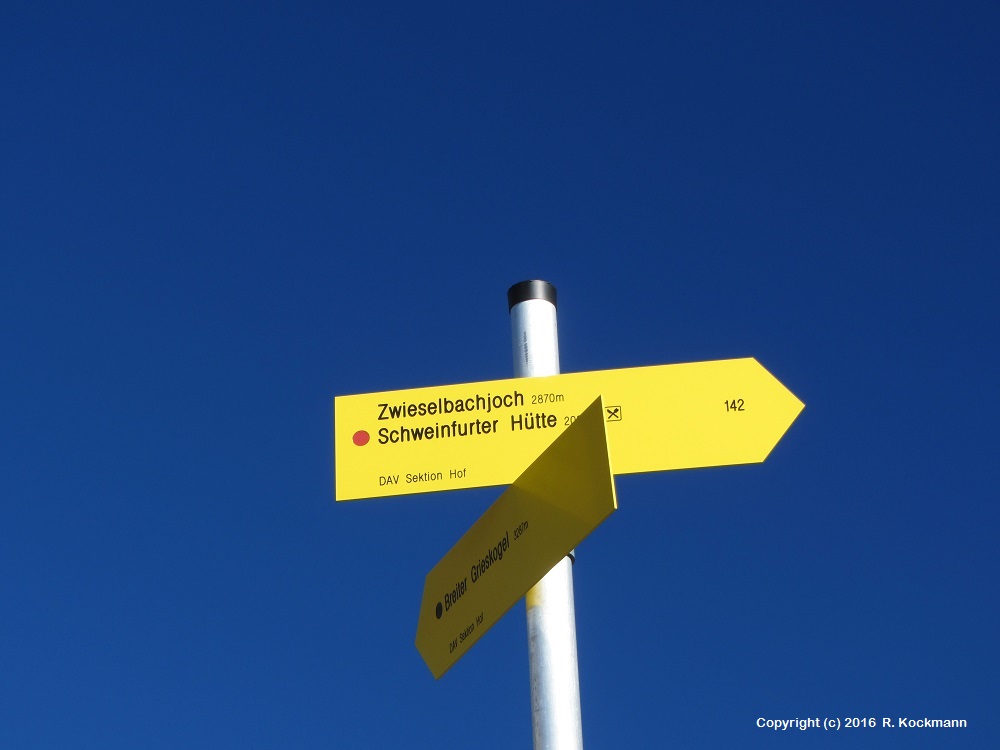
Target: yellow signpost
{"points": [[550, 508], [484, 434]]}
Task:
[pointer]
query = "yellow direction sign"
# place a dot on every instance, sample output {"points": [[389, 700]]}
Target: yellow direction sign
{"points": [[484, 434], [550, 508]]}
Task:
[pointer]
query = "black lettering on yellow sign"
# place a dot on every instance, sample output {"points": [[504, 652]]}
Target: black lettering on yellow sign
{"points": [[538, 421], [445, 405], [437, 431], [491, 558]]}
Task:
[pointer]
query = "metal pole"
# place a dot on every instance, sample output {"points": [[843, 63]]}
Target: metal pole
{"points": [[555, 679]]}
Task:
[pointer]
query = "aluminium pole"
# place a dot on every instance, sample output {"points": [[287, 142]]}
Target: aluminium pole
{"points": [[556, 722]]}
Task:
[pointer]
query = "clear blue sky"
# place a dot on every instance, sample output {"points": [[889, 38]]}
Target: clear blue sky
{"points": [[215, 218]]}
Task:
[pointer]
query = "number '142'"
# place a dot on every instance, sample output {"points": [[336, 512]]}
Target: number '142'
{"points": [[735, 405]]}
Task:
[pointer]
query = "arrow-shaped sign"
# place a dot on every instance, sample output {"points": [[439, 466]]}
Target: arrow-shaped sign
{"points": [[551, 507], [484, 434]]}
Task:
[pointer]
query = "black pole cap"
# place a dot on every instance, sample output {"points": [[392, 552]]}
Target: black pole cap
{"points": [[522, 291]]}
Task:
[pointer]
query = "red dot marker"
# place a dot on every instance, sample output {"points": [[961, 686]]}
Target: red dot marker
{"points": [[361, 437]]}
